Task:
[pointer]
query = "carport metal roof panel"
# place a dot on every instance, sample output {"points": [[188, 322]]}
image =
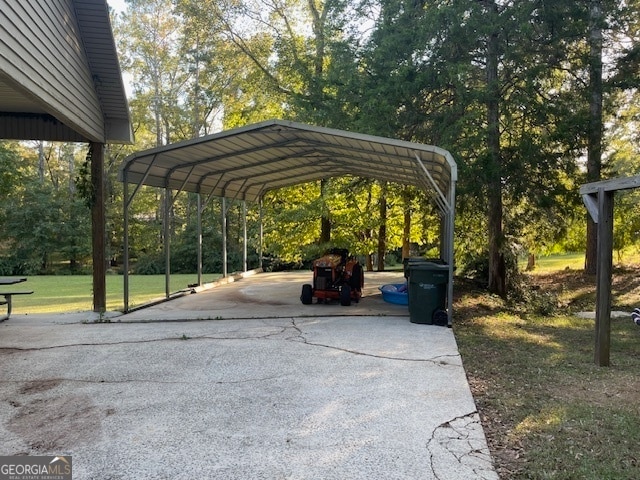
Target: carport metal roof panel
{"points": [[247, 162]]}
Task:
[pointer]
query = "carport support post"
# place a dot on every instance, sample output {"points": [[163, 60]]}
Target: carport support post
{"points": [[125, 264], [167, 242], [199, 234], [603, 277], [244, 233], [261, 235], [447, 207], [450, 219], [224, 237]]}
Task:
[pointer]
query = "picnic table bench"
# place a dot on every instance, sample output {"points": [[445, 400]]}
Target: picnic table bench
{"points": [[8, 294]]}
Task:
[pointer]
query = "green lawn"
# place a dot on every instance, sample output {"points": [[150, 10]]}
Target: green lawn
{"points": [[551, 263], [547, 410], [72, 293], [575, 261]]}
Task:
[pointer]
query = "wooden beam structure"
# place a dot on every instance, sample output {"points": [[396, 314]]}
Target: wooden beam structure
{"points": [[598, 197]]}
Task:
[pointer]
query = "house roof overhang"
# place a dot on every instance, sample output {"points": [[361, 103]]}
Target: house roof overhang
{"points": [[25, 114]]}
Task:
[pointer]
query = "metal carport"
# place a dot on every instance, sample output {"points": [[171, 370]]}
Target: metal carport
{"points": [[247, 162]]}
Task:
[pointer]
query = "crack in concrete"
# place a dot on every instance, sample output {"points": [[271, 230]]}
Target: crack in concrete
{"points": [[11, 350], [456, 438], [435, 360], [144, 381]]}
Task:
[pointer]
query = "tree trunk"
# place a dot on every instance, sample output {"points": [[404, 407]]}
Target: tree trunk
{"points": [[497, 269], [325, 222], [382, 231], [531, 262], [98, 226], [41, 161], [406, 233], [594, 154], [369, 262], [156, 111]]}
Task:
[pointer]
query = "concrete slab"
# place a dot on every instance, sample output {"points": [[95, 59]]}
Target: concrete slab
{"points": [[614, 314], [254, 392], [270, 295]]}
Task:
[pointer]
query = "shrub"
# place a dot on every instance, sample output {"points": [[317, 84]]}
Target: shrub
{"points": [[152, 264]]}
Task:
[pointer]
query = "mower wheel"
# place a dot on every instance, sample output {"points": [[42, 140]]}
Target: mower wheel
{"points": [[345, 295], [307, 294]]}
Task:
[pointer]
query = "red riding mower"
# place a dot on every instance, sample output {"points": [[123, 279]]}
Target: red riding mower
{"points": [[335, 275]]}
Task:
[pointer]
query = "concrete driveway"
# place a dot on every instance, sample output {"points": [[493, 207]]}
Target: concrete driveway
{"points": [[243, 382]]}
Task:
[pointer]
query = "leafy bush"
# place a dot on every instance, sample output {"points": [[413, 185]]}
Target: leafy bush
{"points": [[14, 265], [476, 266], [184, 259], [149, 265], [271, 263]]}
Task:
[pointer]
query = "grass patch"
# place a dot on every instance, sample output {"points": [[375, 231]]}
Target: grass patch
{"points": [[548, 411], [73, 293], [554, 263], [575, 261]]}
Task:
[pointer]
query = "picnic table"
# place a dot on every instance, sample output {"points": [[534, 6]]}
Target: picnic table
{"points": [[8, 294]]}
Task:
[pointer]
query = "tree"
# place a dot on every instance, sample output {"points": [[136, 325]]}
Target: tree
{"points": [[493, 167], [594, 153], [148, 33], [507, 96], [288, 45], [38, 183]]}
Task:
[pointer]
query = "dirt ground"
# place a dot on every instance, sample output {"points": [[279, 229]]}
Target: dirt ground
{"points": [[521, 364]]}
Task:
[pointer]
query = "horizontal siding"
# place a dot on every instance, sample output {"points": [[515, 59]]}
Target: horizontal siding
{"points": [[41, 51]]}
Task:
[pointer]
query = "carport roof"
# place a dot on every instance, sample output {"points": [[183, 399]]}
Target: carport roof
{"points": [[245, 163]]}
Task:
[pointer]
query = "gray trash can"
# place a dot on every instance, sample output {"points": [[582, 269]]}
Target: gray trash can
{"points": [[427, 291]]}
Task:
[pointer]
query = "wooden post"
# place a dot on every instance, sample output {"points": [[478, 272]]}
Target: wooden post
{"points": [[598, 198], [125, 259], [98, 228], [603, 277]]}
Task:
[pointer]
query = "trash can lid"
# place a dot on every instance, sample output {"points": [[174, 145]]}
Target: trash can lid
{"points": [[428, 266], [413, 265], [423, 259]]}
